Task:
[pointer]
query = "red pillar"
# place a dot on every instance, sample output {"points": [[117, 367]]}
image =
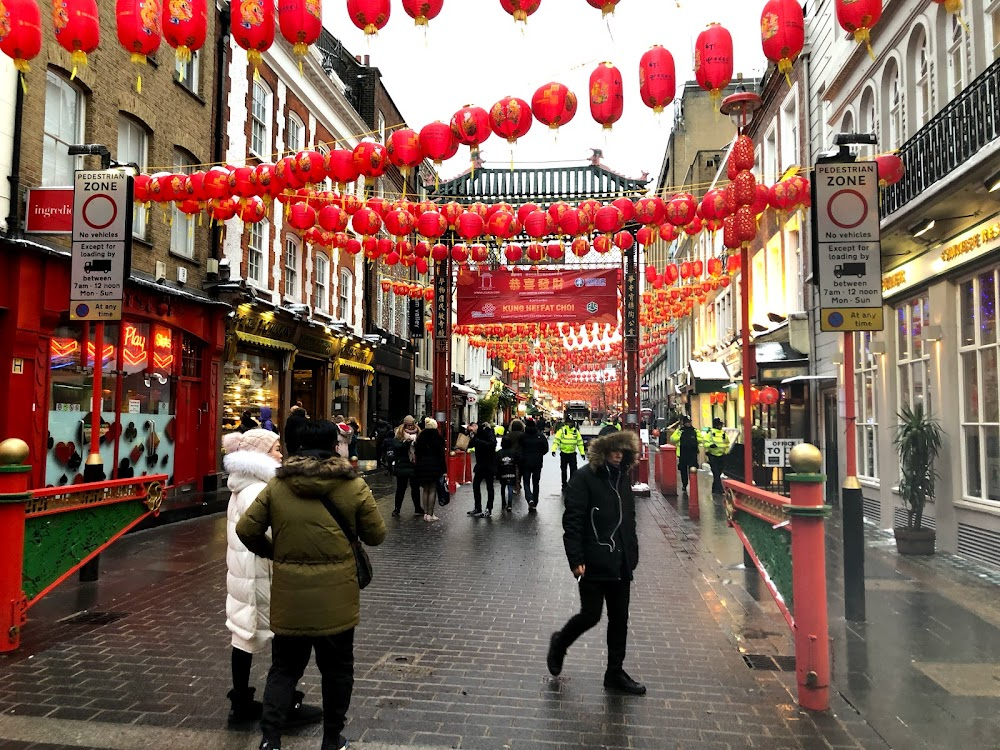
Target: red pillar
{"points": [[812, 628], [748, 364], [694, 509], [442, 348], [668, 463], [14, 477]]}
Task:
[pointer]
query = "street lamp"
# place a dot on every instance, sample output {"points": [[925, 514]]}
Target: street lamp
{"points": [[742, 107]]}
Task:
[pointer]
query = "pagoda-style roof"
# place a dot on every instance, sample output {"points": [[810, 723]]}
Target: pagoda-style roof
{"points": [[542, 185]]}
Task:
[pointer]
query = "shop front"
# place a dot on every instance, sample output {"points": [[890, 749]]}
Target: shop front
{"points": [[353, 376], [394, 394]]}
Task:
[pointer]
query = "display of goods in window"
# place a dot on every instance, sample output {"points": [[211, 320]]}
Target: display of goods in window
{"points": [[554, 104], [607, 97], [713, 59], [300, 22], [21, 32], [422, 11], [370, 16], [252, 26], [657, 78], [78, 30], [782, 33], [185, 24]]}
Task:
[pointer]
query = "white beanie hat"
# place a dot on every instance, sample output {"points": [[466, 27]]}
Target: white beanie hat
{"points": [[258, 441], [430, 424]]}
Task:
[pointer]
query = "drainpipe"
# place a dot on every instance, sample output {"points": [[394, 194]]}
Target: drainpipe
{"points": [[14, 178], [221, 63]]}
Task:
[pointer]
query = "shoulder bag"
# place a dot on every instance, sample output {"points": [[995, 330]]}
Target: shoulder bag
{"points": [[361, 559]]}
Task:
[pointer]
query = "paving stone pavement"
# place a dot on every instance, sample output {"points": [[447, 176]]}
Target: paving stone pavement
{"points": [[450, 651]]}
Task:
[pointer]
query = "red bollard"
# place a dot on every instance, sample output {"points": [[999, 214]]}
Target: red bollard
{"points": [[694, 509], [14, 476], [644, 467], [657, 473], [812, 628], [668, 459], [456, 469]]}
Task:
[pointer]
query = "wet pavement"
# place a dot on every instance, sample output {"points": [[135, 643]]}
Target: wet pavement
{"points": [[450, 652]]}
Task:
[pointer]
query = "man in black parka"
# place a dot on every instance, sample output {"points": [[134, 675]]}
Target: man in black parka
{"points": [[603, 550]]}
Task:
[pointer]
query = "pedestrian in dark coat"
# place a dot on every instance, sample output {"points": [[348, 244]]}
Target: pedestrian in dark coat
{"points": [[603, 550], [297, 417], [247, 422], [404, 465], [685, 437], [485, 444], [534, 446], [512, 441], [431, 464]]}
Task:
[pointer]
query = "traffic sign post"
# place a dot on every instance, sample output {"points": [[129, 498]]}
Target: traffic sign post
{"points": [[102, 244], [846, 217]]}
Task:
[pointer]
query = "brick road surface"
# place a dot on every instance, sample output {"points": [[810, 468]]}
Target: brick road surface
{"points": [[450, 651]]}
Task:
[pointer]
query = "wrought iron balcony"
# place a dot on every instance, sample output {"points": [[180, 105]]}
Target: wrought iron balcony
{"points": [[953, 136]]}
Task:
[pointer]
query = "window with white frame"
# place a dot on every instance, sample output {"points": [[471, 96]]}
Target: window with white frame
{"points": [[978, 349], [866, 393], [321, 280], [868, 120], [994, 26], [260, 118], [186, 72], [770, 165], [922, 80], [381, 128], [346, 292], [896, 129], [64, 113], [292, 252], [133, 148], [295, 134], [958, 57], [789, 133], [793, 269], [913, 354], [256, 252], [182, 226]]}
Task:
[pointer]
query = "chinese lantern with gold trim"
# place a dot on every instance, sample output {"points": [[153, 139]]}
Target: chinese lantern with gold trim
{"points": [[253, 28], [713, 60], [370, 159], [510, 118], [403, 151], [20, 32], [431, 224], [185, 25], [370, 16], [857, 17], [78, 30], [606, 95], [657, 78], [300, 22], [520, 9], [438, 142], [890, 169], [782, 33], [471, 126], [302, 216], [422, 11], [681, 209], [554, 105], [607, 6], [138, 27]]}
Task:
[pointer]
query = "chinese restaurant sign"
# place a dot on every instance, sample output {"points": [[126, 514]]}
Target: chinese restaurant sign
{"points": [[532, 296]]}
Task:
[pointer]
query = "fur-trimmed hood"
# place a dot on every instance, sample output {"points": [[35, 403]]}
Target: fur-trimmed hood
{"points": [[247, 467], [620, 440], [309, 476]]}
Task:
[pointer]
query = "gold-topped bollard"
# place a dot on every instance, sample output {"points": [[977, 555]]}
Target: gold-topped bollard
{"points": [[14, 494]]}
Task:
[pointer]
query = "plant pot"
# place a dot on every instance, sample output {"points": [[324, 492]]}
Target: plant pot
{"points": [[914, 541]]}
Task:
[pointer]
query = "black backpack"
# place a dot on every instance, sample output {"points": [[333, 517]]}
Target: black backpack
{"points": [[506, 466], [688, 441]]}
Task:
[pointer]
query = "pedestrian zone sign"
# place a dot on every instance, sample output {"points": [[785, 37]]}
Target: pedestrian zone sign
{"points": [[776, 451]]}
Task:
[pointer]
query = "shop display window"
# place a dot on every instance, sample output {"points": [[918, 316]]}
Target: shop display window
{"points": [[250, 382], [346, 395]]}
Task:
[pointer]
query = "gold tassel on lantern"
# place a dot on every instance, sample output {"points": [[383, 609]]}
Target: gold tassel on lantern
{"points": [[78, 58]]}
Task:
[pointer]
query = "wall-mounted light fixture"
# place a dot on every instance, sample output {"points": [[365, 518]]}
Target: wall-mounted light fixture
{"points": [[922, 228], [993, 183], [932, 333]]}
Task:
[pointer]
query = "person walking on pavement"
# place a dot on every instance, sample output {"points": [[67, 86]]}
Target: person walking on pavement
{"points": [[569, 442], [685, 438], [430, 465], [315, 598], [252, 458], [293, 425], [507, 474], [247, 422], [266, 422], [512, 442], [603, 551], [484, 443], [404, 465], [534, 446], [609, 426], [716, 444]]}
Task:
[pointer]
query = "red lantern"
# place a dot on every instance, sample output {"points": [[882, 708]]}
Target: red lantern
{"points": [[422, 11], [650, 211], [607, 6], [184, 26], [609, 219], [332, 218], [513, 253], [890, 169], [431, 224], [554, 250], [681, 209], [745, 188], [366, 222], [501, 225], [77, 29], [520, 9], [769, 395], [300, 22], [470, 226], [459, 254], [340, 167], [370, 159], [746, 223], [741, 157], [403, 150], [668, 232], [399, 222], [253, 27], [311, 166], [479, 253], [222, 209], [624, 240], [858, 17], [606, 95], [657, 78], [302, 216], [574, 222], [138, 25], [730, 238], [252, 211], [554, 104], [369, 15], [438, 142], [580, 247], [471, 126], [782, 33], [510, 118], [713, 59], [21, 32], [602, 244]]}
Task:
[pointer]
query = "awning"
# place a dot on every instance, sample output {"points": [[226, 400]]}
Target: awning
{"points": [[777, 361], [708, 377], [263, 341], [806, 378], [352, 365], [465, 389]]}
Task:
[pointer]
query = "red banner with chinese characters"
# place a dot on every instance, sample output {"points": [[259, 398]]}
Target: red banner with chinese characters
{"points": [[536, 296]]}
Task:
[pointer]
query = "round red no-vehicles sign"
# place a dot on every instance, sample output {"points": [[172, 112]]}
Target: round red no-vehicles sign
{"points": [[99, 211], [847, 208]]}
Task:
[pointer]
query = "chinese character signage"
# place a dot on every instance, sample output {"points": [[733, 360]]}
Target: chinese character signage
{"points": [[442, 282], [631, 327]]}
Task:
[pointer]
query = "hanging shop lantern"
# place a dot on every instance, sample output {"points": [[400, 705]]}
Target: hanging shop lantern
{"points": [[554, 105], [370, 159], [857, 17], [471, 126], [713, 59], [252, 211], [139, 32], [603, 244], [510, 118], [580, 247], [741, 157], [185, 25], [667, 232], [650, 211], [422, 11], [609, 219], [780, 195], [470, 226], [538, 224], [399, 222], [626, 206], [554, 250], [513, 253], [300, 22], [479, 253], [782, 33], [657, 78], [370, 16], [438, 142], [520, 9], [403, 150], [746, 224], [340, 167], [21, 32], [302, 216], [502, 225], [760, 200], [432, 224], [744, 188], [607, 6], [253, 27], [366, 222], [78, 30], [574, 222], [890, 169], [769, 395], [624, 240], [681, 209], [332, 218], [311, 166], [730, 237], [606, 95]]}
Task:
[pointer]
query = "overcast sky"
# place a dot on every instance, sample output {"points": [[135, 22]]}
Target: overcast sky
{"points": [[475, 53]]}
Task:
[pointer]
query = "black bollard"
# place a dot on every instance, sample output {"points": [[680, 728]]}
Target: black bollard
{"points": [[853, 523]]}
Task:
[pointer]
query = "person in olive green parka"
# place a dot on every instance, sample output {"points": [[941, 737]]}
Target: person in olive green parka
{"points": [[315, 598]]}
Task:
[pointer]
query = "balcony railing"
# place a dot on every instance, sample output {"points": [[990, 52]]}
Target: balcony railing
{"points": [[953, 136]]}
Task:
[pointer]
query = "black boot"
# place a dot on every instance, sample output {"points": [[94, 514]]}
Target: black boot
{"points": [[244, 710], [620, 680], [300, 714], [554, 659]]}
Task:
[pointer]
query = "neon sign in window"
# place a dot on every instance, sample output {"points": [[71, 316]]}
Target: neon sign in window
{"points": [[163, 348]]}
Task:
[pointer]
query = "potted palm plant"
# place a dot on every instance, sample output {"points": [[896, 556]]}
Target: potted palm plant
{"points": [[918, 441]]}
